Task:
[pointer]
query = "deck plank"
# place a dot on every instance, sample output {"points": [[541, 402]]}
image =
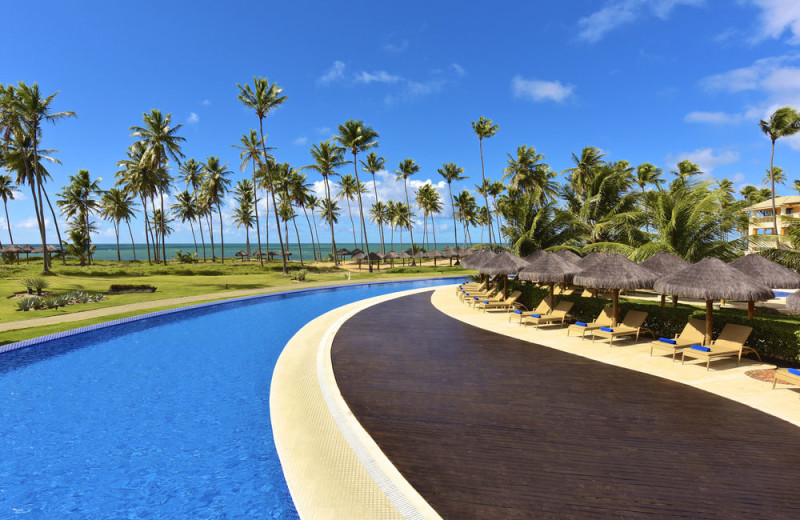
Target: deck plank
{"points": [[486, 426]]}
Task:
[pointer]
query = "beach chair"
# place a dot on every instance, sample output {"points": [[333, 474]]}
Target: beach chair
{"points": [[603, 320], [787, 375], [730, 343], [541, 310], [694, 333], [506, 304], [471, 295], [463, 289], [496, 297], [630, 326], [558, 315]]}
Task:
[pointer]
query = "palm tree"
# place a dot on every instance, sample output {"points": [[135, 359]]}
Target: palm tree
{"points": [[263, 98], [137, 180], [185, 208], [581, 175], [300, 194], [452, 172], [467, 211], [250, 152], [350, 189], [216, 186], [407, 168], [796, 186], [77, 200], [391, 218], [327, 158], [484, 128], [378, 215], [7, 188], [686, 169], [330, 213], [117, 205], [373, 165], [430, 202], [646, 174], [191, 172], [402, 218], [527, 173], [161, 225], [358, 137], [312, 203], [496, 188], [783, 122], [776, 177], [161, 142], [30, 109], [243, 213]]}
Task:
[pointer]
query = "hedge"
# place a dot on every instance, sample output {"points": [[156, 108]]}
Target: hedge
{"points": [[774, 337]]}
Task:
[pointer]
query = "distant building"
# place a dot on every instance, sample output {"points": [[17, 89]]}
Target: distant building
{"points": [[787, 208]]}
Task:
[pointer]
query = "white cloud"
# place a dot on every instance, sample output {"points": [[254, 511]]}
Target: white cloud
{"points": [[334, 73], [777, 17], [538, 90], [396, 48], [29, 223], [380, 76], [458, 69], [769, 74], [300, 141], [713, 118], [206, 102], [706, 158], [193, 118], [616, 13]]}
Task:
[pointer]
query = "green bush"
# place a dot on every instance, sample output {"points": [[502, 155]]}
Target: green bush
{"points": [[35, 284], [122, 287], [186, 258], [25, 304], [299, 274]]}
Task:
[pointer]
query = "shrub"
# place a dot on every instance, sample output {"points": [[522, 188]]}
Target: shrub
{"points": [[118, 288], [299, 275], [185, 258], [25, 304]]}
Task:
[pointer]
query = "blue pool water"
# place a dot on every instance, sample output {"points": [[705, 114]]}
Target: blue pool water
{"points": [[161, 418], [782, 294]]}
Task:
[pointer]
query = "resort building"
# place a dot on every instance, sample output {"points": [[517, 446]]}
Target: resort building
{"points": [[787, 208]]}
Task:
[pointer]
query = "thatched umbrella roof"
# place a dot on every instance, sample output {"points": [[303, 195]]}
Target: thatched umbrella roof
{"points": [[590, 259], [50, 249], [287, 253], [551, 269], [359, 256], [403, 254], [272, 253], [447, 250], [614, 272], [391, 255], [27, 248], [569, 256], [712, 279], [664, 263], [477, 259], [503, 263], [343, 252], [259, 253], [532, 257], [419, 254], [793, 301], [356, 251], [435, 254], [374, 255], [12, 248], [241, 253], [460, 251], [767, 272]]}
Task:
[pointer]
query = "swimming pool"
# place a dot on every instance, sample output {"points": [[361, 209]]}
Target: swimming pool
{"points": [[165, 417]]}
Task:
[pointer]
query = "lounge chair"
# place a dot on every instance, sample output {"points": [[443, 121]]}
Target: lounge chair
{"points": [[603, 320], [461, 290], [541, 310], [787, 375], [471, 295], [694, 333], [730, 343], [506, 304], [558, 315], [631, 326], [496, 297]]}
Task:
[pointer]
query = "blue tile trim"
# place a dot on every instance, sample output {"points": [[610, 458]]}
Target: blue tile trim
{"points": [[89, 328]]}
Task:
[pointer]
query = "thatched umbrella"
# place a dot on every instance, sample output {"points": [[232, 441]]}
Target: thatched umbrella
{"points": [[503, 263], [50, 249], [615, 272], [375, 256], [712, 279], [241, 254], [271, 254], [448, 252], [591, 259], [477, 259], [664, 264], [569, 256], [536, 255], [403, 256], [13, 249], [359, 256], [766, 272], [391, 255], [550, 269], [793, 301], [435, 254], [27, 249]]}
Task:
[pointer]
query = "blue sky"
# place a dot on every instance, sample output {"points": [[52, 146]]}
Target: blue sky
{"points": [[644, 80]]}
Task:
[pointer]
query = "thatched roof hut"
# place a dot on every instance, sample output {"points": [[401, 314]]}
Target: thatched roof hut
{"points": [[569, 256], [712, 279], [615, 272], [259, 253], [50, 249], [664, 263], [26, 248], [532, 257], [767, 272], [590, 259], [241, 254], [793, 301], [477, 259], [503, 263], [419, 255], [550, 269], [343, 252], [13, 249]]}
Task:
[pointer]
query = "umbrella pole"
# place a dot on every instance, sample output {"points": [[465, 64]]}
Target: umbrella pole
{"points": [[674, 300], [663, 299], [505, 287], [552, 297], [751, 309], [615, 309], [709, 320]]}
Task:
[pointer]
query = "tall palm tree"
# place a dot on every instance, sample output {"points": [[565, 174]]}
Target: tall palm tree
{"points": [[250, 152], [243, 215], [327, 158], [467, 212], [263, 98], [496, 188], [299, 193], [402, 218], [312, 203], [31, 108], [528, 173], [647, 174], [581, 175], [77, 200], [777, 176], [7, 188], [185, 209], [216, 186], [783, 122], [452, 172], [117, 205], [137, 179], [686, 170], [406, 169], [161, 142], [373, 165], [378, 215], [430, 202], [350, 190], [357, 137], [161, 225], [484, 128], [391, 218], [330, 213]]}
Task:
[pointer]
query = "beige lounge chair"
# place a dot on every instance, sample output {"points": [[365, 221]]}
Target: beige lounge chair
{"points": [[694, 333], [730, 343], [558, 315], [506, 304], [784, 375], [496, 297], [631, 326], [542, 309], [462, 290], [603, 320], [470, 296]]}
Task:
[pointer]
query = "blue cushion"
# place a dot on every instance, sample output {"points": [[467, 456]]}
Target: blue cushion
{"points": [[517, 311], [607, 329], [581, 324], [667, 340], [536, 315], [794, 371], [485, 301], [701, 348]]}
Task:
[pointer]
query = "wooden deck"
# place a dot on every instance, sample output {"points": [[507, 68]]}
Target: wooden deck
{"points": [[489, 427]]}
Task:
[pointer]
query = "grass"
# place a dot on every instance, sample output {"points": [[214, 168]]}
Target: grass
{"points": [[172, 281]]}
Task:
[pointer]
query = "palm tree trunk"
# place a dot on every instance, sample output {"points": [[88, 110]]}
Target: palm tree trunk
{"points": [[319, 244], [133, 246], [455, 226], [485, 194], [221, 235], [352, 223], [164, 222], [380, 219], [116, 232], [210, 217], [299, 247], [266, 228], [146, 227], [202, 239], [774, 213], [38, 181], [272, 194], [247, 241], [258, 225], [39, 221], [311, 231], [153, 233], [365, 242], [55, 223], [194, 238], [392, 237], [410, 224], [333, 240], [8, 223]]}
